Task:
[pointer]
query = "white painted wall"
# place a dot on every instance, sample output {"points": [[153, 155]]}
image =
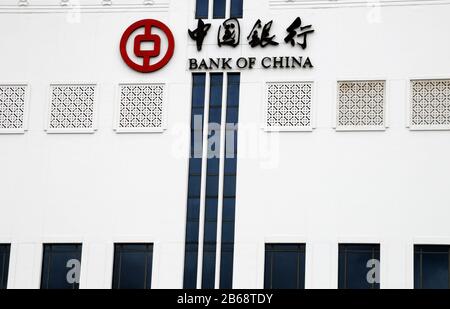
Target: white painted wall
{"points": [[321, 188]]}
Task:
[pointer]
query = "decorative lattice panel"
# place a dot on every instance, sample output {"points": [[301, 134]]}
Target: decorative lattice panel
{"points": [[12, 107], [72, 107], [141, 106], [361, 104], [430, 104], [289, 105]]}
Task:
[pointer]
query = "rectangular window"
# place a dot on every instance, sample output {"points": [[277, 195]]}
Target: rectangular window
{"points": [[430, 105], [219, 8], [4, 266], [284, 266], [361, 105], [431, 267], [236, 9], [288, 106], [141, 108], [72, 109], [61, 266], [359, 266], [132, 266], [12, 108], [201, 9], [194, 181]]}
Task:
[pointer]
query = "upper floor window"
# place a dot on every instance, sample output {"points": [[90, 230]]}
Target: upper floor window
{"points": [[431, 267], [430, 105], [284, 266], [133, 266], [219, 8], [61, 266], [361, 105], [4, 266], [359, 266]]}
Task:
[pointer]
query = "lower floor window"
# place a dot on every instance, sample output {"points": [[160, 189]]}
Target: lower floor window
{"points": [[61, 266], [4, 266], [431, 267], [359, 266], [284, 266], [132, 266]]}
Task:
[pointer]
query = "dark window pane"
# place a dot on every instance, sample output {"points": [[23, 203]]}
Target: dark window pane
{"points": [[211, 209], [198, 90], [215, 115], [209, 266], [229, 186], [192, 231], [201, 9], [431, 267], [226, 266], [213, 166], [228, 209], [230, 166], [236, 8], [4, 266], [234, 80], [232, 115], [194, 186], [228, 232], [219, 9], [284, 266], [358, 266], [190, 266], [212, 186], [133, 266], [61, 266], [195, 166]]}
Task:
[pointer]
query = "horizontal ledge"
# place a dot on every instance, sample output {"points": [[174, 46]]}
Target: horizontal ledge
{"points": [[283, 4], [83, 8]]}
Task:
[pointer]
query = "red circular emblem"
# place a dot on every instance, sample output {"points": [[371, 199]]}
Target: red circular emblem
{"points": [[148, 37]]}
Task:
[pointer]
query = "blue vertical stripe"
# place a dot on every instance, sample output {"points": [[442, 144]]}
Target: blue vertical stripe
{"points": [[229, 187], [212, 181], [236, 9], [201, 9], [194, 181], [4, 266], [219, 9]]}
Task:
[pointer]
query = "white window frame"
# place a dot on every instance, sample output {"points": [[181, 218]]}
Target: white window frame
{"points": [[94, 128], [309, 128], [385, 125], [25, 111], [409, 95], [163, 127]]}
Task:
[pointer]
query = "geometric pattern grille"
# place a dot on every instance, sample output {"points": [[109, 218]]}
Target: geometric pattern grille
{"points": [[430, 103], [141, 106], [361, 104], [289, 104], [72, 107], [12, 106]]}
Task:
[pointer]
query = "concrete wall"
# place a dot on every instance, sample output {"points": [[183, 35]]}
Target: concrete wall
{"points": [[321, 188]]}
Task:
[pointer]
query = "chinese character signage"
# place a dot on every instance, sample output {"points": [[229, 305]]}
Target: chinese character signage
{"points": [[260, 36]]}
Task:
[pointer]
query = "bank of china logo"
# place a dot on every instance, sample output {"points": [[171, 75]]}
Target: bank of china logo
{"points": [[147, 45]]}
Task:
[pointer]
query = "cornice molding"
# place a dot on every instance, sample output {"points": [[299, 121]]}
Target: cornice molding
{"points": [[325, 4], [97, 6]]}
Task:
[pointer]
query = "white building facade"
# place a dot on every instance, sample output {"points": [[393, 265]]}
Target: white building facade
{"points": [[347, 145]]}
